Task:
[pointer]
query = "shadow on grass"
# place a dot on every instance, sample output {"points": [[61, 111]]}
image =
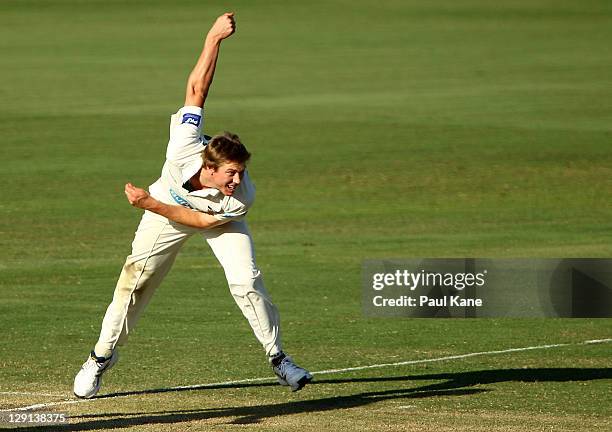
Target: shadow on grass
{"points": [[454, 384]]}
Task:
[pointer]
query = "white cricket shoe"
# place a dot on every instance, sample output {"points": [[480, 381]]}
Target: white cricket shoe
{"points": [[88, 381], [290, 374]]}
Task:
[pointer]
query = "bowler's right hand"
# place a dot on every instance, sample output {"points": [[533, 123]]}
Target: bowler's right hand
{"points": [[224, 26]]}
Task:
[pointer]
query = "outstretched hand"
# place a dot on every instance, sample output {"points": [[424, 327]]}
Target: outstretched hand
{"points": [[136, 196], [224, 26]]}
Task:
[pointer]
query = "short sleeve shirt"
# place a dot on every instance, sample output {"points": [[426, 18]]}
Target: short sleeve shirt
{"points": [[184, 159]]}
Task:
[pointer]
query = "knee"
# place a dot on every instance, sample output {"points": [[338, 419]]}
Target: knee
{"points": [[129, 273], [132, 275], [245, 282]]}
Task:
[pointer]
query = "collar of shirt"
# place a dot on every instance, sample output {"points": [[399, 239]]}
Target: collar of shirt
{"points": [[203, 193]]}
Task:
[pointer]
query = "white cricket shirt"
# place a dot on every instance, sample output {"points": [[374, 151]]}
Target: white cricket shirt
{"points": [[184, 159]]}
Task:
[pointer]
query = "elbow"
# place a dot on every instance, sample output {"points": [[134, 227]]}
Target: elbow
{"points": [[196, 92], [196, 82], [206, 221], [196, 87], [204, 225]]}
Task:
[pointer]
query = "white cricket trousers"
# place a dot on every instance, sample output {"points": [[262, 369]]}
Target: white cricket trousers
{"points": [[155, 246]]}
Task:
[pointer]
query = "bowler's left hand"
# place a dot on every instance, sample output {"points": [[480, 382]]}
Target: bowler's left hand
{"points": [[137, 197]]}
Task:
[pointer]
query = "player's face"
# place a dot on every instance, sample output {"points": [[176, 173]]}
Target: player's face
{"points": [[227, 177]]}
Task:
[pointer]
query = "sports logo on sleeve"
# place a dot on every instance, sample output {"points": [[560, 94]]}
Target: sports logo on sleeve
{"points": [[180, 200], [191, 118]]}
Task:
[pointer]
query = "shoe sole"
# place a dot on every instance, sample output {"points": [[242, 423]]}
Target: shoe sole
{"points": [[306, 379], [300, 384]]}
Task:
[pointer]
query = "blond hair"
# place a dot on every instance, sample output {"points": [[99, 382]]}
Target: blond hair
{"points": [[224, 148]]}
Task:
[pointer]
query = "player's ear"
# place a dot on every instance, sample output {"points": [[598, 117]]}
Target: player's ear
{"points": [[209, 168]]}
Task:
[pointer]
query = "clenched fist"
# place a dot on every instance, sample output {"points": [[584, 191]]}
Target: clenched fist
{"points": [[137, 197], [224, 26]]}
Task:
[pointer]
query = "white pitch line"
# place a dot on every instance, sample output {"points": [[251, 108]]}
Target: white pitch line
{"points": [[47, 405], [460, 356], [329, 371], [453, 357], [597, 341], [17, 393]]}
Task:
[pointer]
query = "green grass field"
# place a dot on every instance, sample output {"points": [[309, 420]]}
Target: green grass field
{"points": [[379, 130]]}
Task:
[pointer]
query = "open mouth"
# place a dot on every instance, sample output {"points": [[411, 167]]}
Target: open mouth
{"points": [[231, 187]]}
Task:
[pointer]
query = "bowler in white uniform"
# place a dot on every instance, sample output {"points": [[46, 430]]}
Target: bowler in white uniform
{"points": [[204, 189]]}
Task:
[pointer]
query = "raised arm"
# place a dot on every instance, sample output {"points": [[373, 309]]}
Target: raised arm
{"points": [[201, 77], [141, 199]]}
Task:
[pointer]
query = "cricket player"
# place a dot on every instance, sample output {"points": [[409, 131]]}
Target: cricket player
{"points": [[204, 189]]}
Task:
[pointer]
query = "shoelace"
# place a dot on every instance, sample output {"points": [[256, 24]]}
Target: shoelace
{"points": [[92, 364], [287, 365]]}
